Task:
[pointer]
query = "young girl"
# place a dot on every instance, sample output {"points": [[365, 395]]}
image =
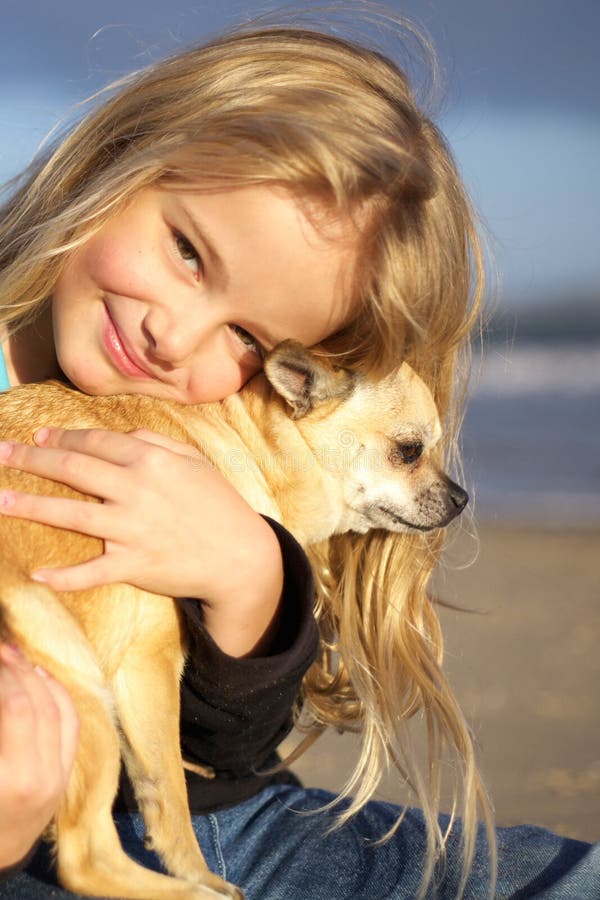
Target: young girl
{"points": [[271, 184]]}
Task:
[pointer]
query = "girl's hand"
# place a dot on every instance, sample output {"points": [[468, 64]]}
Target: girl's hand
{"points": [[38, 740], [170, 522]]}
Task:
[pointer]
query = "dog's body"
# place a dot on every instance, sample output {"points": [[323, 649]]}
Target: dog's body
{"points": [[352, 455]]}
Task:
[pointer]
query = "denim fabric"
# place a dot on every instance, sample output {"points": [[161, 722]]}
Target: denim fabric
{"points": [[274, 852]]}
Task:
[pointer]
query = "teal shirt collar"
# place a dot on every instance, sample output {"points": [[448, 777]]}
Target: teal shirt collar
{"points": [[4, 382]]}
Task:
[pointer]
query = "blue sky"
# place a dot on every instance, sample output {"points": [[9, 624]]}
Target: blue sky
{"points": [[520, 107]]}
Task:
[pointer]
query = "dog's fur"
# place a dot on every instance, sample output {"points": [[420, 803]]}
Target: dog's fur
{"points": [[320, 449]]}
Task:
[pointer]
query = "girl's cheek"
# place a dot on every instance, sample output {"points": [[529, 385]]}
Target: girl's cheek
{"points": [[214, 379], [125, 257], [116, 267]]}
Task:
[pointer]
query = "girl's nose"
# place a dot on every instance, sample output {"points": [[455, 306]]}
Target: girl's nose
{"points": [[173, 335]]}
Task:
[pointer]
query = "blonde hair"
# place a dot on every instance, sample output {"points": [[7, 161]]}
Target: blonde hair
{"points": [[335, 123]]}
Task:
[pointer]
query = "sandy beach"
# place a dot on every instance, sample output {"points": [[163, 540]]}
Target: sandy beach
{"points": [[526, 668]]}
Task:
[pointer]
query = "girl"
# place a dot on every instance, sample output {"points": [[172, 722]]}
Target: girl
{"points": [[273, 183]]}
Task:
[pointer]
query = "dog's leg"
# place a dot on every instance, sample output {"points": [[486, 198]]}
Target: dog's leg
{"points": [[90, 859], [146, 690]]}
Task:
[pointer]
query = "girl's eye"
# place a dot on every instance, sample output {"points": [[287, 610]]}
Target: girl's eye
{"points": [[188, 253], [249, 342]]}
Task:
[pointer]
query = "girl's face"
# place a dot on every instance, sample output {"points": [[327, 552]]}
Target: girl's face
{"points": [[180, 294]]}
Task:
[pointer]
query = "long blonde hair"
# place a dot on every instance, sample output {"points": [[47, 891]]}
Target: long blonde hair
{"points": [[337, 124]]}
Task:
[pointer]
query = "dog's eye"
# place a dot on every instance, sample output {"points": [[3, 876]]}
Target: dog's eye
{"points": [[408, 453]]}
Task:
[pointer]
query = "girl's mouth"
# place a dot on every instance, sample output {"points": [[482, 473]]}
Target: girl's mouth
{"points": [[120, 355]]}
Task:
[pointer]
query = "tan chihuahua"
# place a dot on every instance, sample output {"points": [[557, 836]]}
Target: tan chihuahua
{"points": [[330, 452]]}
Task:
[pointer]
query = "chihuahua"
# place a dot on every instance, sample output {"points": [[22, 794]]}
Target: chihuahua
{"points": [[321, 449]]}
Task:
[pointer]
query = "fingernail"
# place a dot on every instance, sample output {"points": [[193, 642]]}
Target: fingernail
{"points": [[41, 671], [5, 450], [7, 500], [38, 576], [41, 435], [10, 653]]}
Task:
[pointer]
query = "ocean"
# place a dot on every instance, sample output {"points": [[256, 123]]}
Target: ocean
{"points": [[531, 437]]}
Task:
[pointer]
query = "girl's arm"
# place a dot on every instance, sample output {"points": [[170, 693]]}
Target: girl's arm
{"points": [[239, 710], [170, 523], [38, 740]]}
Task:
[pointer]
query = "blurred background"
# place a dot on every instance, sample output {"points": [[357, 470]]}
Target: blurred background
{"points": [[520, 106]]}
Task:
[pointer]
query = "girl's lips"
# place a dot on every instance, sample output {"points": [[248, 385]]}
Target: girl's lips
{"points": [[119, 355]]}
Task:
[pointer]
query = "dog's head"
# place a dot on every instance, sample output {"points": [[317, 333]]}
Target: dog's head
{"points": [[376, 438]]}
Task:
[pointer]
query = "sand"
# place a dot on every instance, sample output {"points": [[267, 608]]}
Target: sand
{"points": [[526, 669]]}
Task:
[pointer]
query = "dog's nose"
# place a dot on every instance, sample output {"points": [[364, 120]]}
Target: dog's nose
{"points": [[458, 496]]}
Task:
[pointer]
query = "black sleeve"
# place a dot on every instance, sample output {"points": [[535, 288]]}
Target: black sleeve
{"points": [[234, 712]]}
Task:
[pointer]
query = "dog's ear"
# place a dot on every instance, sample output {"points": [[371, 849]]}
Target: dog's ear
{"points": [[304, 380]]}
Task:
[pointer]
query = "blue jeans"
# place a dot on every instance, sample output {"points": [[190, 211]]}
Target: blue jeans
{"points": [[273, 852]]}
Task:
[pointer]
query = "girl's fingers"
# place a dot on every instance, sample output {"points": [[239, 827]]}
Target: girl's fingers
{"points": [[83, 516], [39, 730], [101, 570], [111, 446], [94, 462], [84, 473], [161, 440], [38, 715], [56, 722], [30, 716], [69, 721], [17, 721], [120, 448]]}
